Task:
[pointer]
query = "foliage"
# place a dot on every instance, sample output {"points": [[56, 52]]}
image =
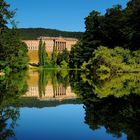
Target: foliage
{"points": [[117, 27], [54, 56], [13, 51], [76, 56], [63, 58], [107, 60], [5, 14], [58, 59], [42, 54], [34, 33]]}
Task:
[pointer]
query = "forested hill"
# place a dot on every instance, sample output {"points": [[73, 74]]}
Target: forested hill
{"points": [[34, 33]]}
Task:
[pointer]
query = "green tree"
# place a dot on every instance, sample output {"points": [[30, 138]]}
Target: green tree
{"points": [[54, 56], [5, 14], [34, 33], [76, 58], [132, 29], [63, 56], [13, 51], [13, 54], [113, 60], [42, 53], [117, 27]]}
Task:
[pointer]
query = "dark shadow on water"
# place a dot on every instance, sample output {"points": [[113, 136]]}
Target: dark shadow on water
{"points": [[112, 103]]}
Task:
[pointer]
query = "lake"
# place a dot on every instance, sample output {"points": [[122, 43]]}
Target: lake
{"points": [[69, 105]]}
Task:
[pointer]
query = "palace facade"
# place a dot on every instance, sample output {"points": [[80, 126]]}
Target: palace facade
{"points": [[60, 43]]}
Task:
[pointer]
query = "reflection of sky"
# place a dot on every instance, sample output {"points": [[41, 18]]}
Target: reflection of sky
{"points": [[65, 122]]}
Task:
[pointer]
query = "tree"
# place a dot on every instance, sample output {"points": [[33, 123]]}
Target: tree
{"points": [[132, 30], [13, 54], [54, 56], [117, 27], [13, 51], [113, 61], [63, 56], [42, 53], [34, 33], [76, 59], [5, 14], [113, 27]]}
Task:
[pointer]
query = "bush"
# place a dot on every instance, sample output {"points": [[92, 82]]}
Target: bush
{"points": [[115, 60]]}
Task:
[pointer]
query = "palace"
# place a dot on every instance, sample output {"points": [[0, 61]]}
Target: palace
{"points": [[60, 43]]}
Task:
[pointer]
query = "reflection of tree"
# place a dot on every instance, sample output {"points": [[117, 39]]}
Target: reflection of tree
{"points": [[11, 88], [118, 86], [55, 77], [117, 115], [63, 78], [42, 83], [113, 103], [8, 114]]}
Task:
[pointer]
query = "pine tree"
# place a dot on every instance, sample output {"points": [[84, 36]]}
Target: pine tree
{"points": [[54, 56], [42, 53]]}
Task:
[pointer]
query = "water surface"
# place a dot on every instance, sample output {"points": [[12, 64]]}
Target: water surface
{"points": [[60, 105]]}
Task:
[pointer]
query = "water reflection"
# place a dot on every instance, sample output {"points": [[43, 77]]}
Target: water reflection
{"points": [[107, 109], [117, 115], [112, 103], [49, 85], [11, 88]]}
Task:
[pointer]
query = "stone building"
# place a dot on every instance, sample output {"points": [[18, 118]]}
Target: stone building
{"points": [[60, 43]]}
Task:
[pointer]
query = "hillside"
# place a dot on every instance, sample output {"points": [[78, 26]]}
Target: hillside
{"points": [[34, 33]]}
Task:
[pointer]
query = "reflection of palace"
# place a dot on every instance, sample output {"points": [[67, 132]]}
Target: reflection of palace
{"points": [[58, 91], [59, 43]]}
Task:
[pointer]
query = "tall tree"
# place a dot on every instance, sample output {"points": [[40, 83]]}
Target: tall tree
{"points": [[132, 30], [13, 52], [5, 14], [117, 27], [63, 56], [54, 56], [41, 53]]}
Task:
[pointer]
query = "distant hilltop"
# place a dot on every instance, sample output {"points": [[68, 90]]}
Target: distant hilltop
{"points": [[34, 33]]}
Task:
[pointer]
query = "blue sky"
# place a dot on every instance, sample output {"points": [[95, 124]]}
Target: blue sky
{"points": [[65, 15]]}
